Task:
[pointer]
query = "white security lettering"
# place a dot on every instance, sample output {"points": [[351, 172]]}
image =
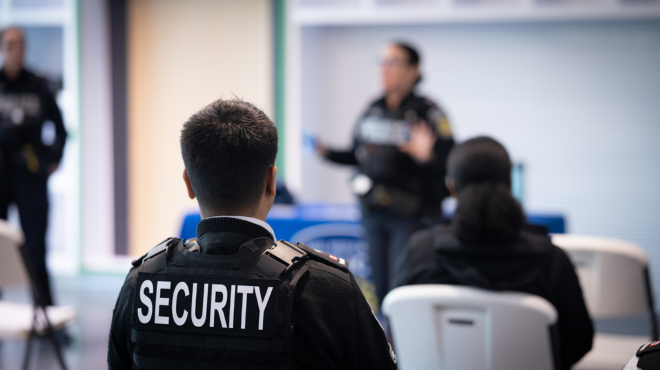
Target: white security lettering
{"points": [[161, 285], [202, 319], [179, 320], [218, 306], [221, 299], [231, 307], [262, 304], [245, 290], [147, 284]]}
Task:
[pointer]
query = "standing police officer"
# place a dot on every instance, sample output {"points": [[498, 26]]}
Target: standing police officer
{"points": [[32, 138], [400, 148], [235, 298]]}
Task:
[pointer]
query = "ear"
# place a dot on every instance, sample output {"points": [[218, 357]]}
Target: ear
{"points": [[271, 181], [186, 179], [452, 187]]}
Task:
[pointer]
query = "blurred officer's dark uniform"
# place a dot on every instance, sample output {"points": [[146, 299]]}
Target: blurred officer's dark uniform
{"points": [[234, 298], [400, 190], [646, 358], [27, 155]]}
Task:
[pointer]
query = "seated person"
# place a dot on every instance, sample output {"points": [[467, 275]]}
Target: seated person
{"points": [[235, 298], [487, 245]]}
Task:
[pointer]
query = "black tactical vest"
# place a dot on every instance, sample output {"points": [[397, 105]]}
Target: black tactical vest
{"points": [[202, 311]]}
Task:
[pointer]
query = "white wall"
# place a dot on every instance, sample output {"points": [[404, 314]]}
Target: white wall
{"points": [[577, 103], [184, 55], [98, 237]]}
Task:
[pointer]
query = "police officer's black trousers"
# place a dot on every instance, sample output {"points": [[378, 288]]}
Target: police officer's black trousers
{"points": [[386, 234], [30, 194]]}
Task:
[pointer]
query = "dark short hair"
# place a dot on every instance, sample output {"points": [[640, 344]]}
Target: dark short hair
{"points": [[20, 31], [412, 53], [227, 148], [479, 160]]}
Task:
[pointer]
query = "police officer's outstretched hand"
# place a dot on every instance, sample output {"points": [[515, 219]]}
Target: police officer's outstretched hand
{"points": [[422, 140]]}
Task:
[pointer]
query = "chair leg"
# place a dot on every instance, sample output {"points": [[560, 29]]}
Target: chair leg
{"points": [[28, 344], [56, 344]]}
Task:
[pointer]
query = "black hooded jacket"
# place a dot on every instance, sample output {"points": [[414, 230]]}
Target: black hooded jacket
{"points": [[530, 264]]}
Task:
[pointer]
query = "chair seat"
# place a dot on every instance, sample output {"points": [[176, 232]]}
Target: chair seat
{"points": [[16, 319], [611, 352]]}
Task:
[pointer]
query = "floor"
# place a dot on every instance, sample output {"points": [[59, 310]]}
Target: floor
{"points": [[94, 298]]}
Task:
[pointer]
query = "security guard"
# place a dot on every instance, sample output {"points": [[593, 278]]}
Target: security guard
{"points": [[646, 358], [400, 148], [234, 298], [32, 138]]}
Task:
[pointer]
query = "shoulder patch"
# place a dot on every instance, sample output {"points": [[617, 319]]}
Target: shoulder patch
{"points": [[324, 257], [443, 127], [648, 348]]}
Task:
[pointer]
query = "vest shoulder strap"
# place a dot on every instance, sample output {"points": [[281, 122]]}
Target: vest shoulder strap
{"points": [[156, 258], [279, 258]]}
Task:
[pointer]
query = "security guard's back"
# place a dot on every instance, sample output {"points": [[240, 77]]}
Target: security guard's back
{"points": [[235, 298]]}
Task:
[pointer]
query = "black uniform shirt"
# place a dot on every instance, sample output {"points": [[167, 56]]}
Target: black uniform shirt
{"points": [[375, 151], [334, 326], [26, 105], [529, 264]]}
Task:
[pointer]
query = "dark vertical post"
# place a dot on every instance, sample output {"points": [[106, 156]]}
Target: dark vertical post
{"points": [[279, 50], [649, 295], [118, 48]]}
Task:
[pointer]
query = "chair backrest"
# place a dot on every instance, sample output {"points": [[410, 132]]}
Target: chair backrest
{"points": [[612, 273], [12, 269], [445, 327]]}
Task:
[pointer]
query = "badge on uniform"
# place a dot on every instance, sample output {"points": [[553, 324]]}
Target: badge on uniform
{"points": [[443, 127], [205, 304]]}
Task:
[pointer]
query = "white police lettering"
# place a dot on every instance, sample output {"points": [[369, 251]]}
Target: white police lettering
{"points": [[383, 131], [221, 296]]}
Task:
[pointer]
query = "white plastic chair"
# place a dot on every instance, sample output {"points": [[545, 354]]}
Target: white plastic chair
{"points": [[25, 321], [446, 327], [615, 283]]}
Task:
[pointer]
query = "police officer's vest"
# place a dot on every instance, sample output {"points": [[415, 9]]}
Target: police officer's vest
{"points": [[202, 311]]}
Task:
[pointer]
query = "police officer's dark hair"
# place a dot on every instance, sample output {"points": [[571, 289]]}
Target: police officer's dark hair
{"points": [[486, 213], [227, 148], [3, 30], [413, 55]]}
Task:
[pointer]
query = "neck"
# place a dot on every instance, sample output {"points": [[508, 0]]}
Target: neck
{"points": [[394, 98], [12, 73], [259, 214]]}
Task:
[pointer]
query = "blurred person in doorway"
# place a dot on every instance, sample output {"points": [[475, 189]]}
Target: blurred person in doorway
{"points": [[488, 245], [32, 138], [400, 148]]}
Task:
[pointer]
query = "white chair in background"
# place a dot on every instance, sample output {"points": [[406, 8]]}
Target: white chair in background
{"points": [[25, 321], [446, 327], [615, 283]]}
